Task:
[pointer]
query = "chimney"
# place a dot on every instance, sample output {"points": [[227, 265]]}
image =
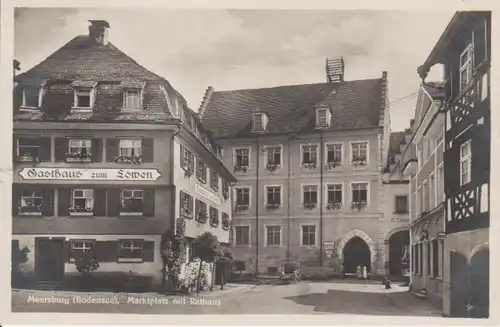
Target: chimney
{"points": [[335, 70], [98, 31]]}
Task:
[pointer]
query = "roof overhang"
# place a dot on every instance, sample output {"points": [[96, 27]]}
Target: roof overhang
{"points": [[410, 167]]}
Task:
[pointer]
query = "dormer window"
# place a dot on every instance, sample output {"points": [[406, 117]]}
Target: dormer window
{"points": [[32, 97], [323, 117], [132, 99], [84, 94], [259, 122]]}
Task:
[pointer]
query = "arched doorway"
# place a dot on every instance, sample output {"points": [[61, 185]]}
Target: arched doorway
{"points": [[398, 253], [356, 253], [479, 288]]}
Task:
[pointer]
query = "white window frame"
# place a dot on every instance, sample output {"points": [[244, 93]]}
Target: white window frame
{"points": [[40, 95], [467, 66], [396, 203], [420, 202], [425, 195], [303, 190], [18, 148], [126, 106], [440, 190], [280, 234], [466, 159], [83, 190], [33, 196], [309, 145], [134, 148], [214, 185], [123, 197], [432, 191], [191, 200], [319, 118], [367, 192], [87, 246], [235, 242], [273, 186], [301, 234], [135, 244], [351, 145], [235, 155], [77, 91], [341, 153], [266, 149], [342, 191], [256, 122], [236, 188]]}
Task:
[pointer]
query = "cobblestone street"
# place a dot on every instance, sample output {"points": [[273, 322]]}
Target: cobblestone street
{"points": [[303, 298]]}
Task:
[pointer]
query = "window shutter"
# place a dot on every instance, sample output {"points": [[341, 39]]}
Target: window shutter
{"points": [[67, 251], [47, 202], [99, 202], [96, 150], [61, 148], [64, 201], [106, 251], [111, 149], [148, 251], [149, 202], [45, 150], [16, 198], [147, 150], [181, 157], [452, 171], [114, 202], [14, 148]]}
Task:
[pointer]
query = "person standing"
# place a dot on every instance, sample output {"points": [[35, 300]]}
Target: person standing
{"points": [[358, 272], [365, 273]]}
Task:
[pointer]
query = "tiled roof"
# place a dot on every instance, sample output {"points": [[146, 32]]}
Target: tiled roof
{"points": [[435, 90], [396, 139], [291, 109], [81, 63]]}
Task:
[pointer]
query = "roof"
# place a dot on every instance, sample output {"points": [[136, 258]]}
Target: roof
{"points": [[435, 90], [291, 109]]}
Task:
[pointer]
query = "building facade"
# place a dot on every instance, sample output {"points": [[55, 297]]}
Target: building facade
{"points": [[107, 157], [464, 50], [309, 160], [425, 169]]}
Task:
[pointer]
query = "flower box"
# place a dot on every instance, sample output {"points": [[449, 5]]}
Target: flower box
{"points": [[243, 169], [186, 213], [333, 164], [81, 213], [334, 206], [28, 158], [201, 217], [30, 210], [358, 205], [225, 224], [132, 160], [241, 207], [130, 213], [272, 206], [33, 213], [309, 165], [359, 161], [214, 222], [272, 167], [309, 205], [78, 157], [78, 160]]}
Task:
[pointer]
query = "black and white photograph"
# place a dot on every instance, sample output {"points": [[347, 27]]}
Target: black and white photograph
{"points": [[240, 161]]}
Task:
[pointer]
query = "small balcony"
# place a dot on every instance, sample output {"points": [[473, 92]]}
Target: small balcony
{"points": [[410, 160]]}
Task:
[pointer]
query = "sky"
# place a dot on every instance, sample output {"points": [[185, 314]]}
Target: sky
{"points": [[239, 49]]}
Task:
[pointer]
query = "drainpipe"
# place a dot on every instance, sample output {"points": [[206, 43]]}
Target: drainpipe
{"points": [[291, 138], [321, 199], [172, 174], [257, 209]]}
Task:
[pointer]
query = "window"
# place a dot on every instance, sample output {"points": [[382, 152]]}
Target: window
{"points": [[258, 124], [465, 163], [242, 198], [334, 196], [214, 217], [82, 202], [79, 149], [242, 235], [80, 246], [466, 62], [273, 156], [28, 148], [401, 204], [130, 148], [322, 118], [225, 221], [225, 189], [435, 257], [31, 96], [273, 235], [429, 259], [420, 158], [441, 259], [432, 191], [201, 211], [308, 235], [310, 196], [214, 180], [425, 196], [82, 98], [440, 184], [359, 195], [131, 250], [309, 154], [131, 202], [420, 202], [413, 206], [333, 155], [186, 157], [413, 259], [201, 171], [439, 139], [359, 152], [242, 158], [186, 205], [31, 203], [273, 196], [132, 99], [420, 258]]}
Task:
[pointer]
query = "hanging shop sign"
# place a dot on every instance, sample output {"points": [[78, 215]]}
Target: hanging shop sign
{"points": [[200, 190], [90, 174]]}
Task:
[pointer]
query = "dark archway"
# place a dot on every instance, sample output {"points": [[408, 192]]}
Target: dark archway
{"points": [[479, 289], [356, 252], [398, 259], [458, 278]]}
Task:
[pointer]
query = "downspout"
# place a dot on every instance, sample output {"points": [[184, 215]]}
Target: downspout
{"points": [[289, 197], [172, 173], [257, 209], [321, 200]]}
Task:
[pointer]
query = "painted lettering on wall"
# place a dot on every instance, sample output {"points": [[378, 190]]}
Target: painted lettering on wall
{"points": [[90, 174], [207, 194]]}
